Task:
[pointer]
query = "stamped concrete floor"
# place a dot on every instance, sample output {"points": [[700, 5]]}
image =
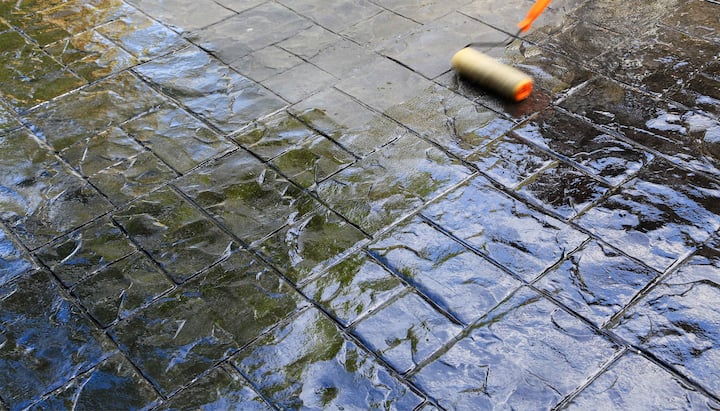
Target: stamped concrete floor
{"points": [[286, 204]]}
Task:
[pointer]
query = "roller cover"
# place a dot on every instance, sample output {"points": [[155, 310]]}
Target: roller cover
{"points": [[489, 73]]}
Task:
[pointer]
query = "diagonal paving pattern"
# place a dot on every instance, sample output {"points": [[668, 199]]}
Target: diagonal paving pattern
{"points": [[285, 204]]}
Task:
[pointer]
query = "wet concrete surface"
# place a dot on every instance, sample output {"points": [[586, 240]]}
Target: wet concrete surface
{"points": [[250, 204]]}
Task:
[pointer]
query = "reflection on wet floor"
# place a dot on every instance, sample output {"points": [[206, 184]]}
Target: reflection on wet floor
{"points": [[253, 204]]}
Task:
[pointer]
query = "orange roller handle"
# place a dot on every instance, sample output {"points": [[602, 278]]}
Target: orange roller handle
{"points": [[534, 12]]}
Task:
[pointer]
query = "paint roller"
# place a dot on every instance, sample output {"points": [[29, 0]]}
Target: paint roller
{"points": [[489, 73]]}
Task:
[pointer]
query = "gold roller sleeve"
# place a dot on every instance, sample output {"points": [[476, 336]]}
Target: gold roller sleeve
{"points": [[487, 72]]}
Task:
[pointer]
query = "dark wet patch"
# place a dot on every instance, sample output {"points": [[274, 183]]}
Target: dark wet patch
{"points": [[634, 382], [45, 339], [506, 230], [80, 253], [630, 19], [188, 331], [308, 363], [678, 320], [175, 233], [221, 388], [596, 282], [458, 280], [583, 41], [114, 381], [249, 198], [659, 216], [528, 353], [418, 331], [353, 288]]}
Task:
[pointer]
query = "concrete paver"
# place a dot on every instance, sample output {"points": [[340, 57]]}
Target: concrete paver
{"points": [[285, 204]]}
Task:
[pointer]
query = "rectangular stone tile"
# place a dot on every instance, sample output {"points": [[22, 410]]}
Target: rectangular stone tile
{"points": [[563, 190], [308, 363], [250, 199], [391, 183], [196, 13], [527, 354], [187, 332], [299, 82], [100, 151], [637, 383], [456, 279], [43, 198], [425, 12], [132, 178], [307, 43], [596, 282], [175, 234], [222, 388], [510, 161], [659, 216], [353, 288], [523, 240], [265, 63], [678, 320], [353, 125], [46, 340], [116, 291], [310, 245], [679, 133], [177, 138], [313, 161], [457, 124], [248, 31], [14, 261], [272, 136], [141, 36], [417, 331], [697, 18], [336, 18], [210, 88], [92, 110], [114, 381], [604, 155], [383, 26], [84, 251]]}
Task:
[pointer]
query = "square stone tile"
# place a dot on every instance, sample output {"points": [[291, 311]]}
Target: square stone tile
{"points": [[180, 140], [274, 135], [602, 154], [425, 12], [309, 364], [175, 234], [181, 336], [43, 198], [262, 64], [132, 178], [14, 261], [195, 15], [299, 82], [456, 279], [345, 58], [114, 381], [116, 291], [248, 31], [250, 199], [210, 88], [92, 110], [457, 124], [82, 252], [527, 354], [343, 13], [353, 288], [563, 189], [46, 340], [634, 382], [309, 246], [141, 36], [509, 232], [309, 42], [222, 388], [391, 183], [510, 161], [659, 216], [103, 150], [678, 320], [382, 27], [91, 55], [417, 331], [313, 161], [596, 282], [351, 124]]}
